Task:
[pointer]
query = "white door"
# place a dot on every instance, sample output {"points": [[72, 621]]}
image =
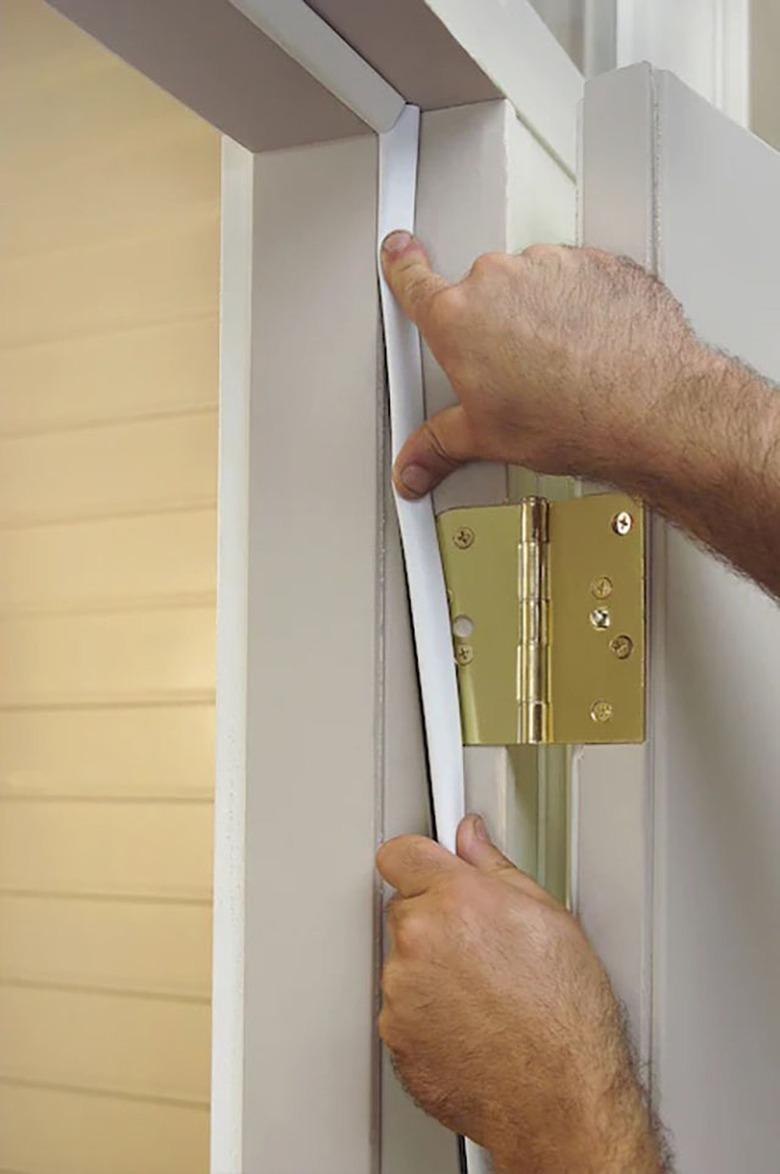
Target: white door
{"points": [[678, 877]]}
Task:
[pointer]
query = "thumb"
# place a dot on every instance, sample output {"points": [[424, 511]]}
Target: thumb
{"points": [[408, 273], [475, 846], [433, 451]]}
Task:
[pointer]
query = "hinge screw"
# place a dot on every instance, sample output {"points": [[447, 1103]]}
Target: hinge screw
{"points": [[463, 537], [622, 646], [601, 587], [600, 618], [601, 711], [622, 523], [464, 654]]}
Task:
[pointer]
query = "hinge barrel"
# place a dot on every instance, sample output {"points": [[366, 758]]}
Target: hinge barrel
{"points": [[533, 652], [548, 615]]}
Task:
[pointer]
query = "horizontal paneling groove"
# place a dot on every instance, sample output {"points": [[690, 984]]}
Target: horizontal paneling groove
{"points": [[119, 992], [114, 895], [157, 797], [149, 510], [116, 1093], [190, 220], [106, 332], [149, 369], [100, 301], [54, 427], [148, 700], [94, 607]]}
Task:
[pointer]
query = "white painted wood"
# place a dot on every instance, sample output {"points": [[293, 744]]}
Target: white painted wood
{"points": [[521, 56], [329, 668], [211, 57], [297, 29], [512, 195], [312, 668], [220, 61], [409, 45], [678, 878], [705, 42], [228, 1005]]}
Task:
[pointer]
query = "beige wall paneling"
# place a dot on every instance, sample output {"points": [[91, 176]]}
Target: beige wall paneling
{"points": [[119, 1130], [108, 380]]}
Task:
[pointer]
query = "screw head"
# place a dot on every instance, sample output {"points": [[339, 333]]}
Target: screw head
{"points": [[622, 646], [601, 712], [464, 654], [622, 523], [600, 618], [463, 537], [601, 587]]}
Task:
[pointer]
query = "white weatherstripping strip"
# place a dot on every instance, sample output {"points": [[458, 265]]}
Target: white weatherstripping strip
{"points": [[428, 596], [398, 151], [310, 41]]}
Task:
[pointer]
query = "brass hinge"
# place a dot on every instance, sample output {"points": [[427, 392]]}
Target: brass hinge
{"points": [[547, 601]]}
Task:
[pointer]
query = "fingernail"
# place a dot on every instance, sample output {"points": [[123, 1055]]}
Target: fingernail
{"points": [[396, 242], [416, 479], [480, 831]]}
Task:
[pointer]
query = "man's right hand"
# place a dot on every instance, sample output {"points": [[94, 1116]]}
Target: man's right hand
{"points": [[577, 362], [557, 356]]}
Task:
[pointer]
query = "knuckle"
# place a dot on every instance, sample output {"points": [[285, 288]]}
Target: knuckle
{"points": [[391, 980], [386, 1028], [488, 263], [400, 851], [437, 446], [443, 308], [410, 933], [539, 252]]}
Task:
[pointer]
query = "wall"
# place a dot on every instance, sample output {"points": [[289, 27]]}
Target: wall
{"points": [[108, 384]]}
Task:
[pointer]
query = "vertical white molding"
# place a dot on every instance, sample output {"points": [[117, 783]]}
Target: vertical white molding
{"points": [[227, 1048], [705, 42]]}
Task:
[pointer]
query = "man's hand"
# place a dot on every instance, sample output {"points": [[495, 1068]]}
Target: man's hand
{"points": [[557, 356], [574, 361], [500, 1018]]}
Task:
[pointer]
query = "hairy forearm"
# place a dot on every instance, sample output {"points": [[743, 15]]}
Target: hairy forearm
{"points": [[611, 1134], [708, 457]]}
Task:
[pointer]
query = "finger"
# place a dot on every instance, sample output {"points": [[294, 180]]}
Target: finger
{"points": [[475, 847], [409, 275], [411, 864], [432, 452]]}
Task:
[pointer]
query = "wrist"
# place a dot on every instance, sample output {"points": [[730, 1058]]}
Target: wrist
{"points": [[598, 1132]]}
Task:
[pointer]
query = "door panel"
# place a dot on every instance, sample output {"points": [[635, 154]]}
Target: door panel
{"points": [[694, 885]]}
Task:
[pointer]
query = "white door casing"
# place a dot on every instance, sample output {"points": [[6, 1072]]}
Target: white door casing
{"points": [[678, 882]]}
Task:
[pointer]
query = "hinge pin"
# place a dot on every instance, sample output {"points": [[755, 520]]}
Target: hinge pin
{"points": [[533, 677]]}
